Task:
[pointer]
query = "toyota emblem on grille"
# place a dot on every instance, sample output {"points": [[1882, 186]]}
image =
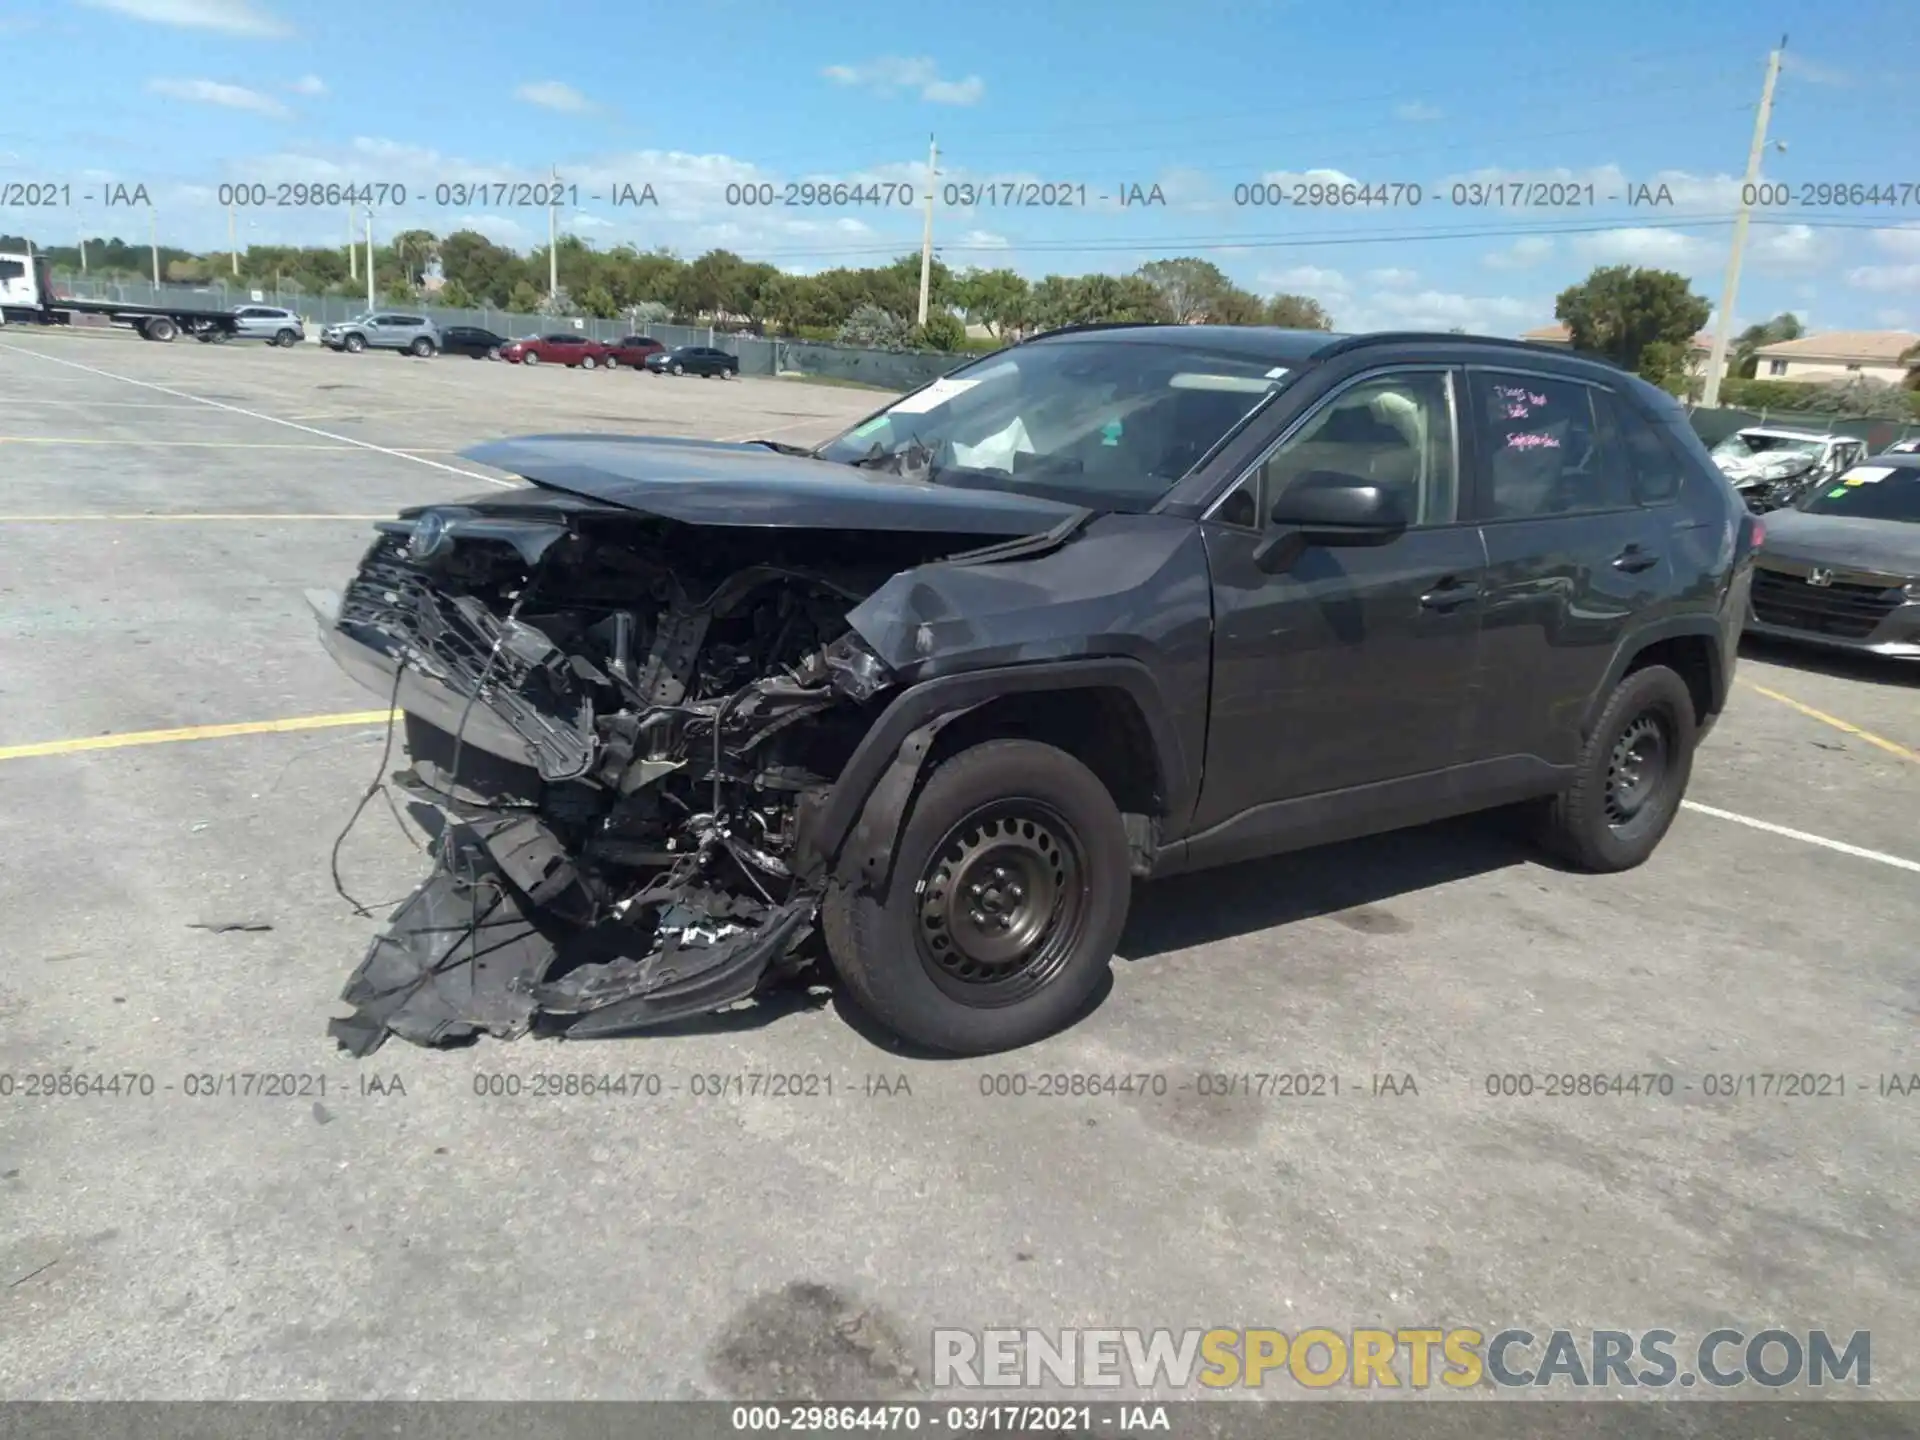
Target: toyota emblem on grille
{"points": [[1819, 576]]}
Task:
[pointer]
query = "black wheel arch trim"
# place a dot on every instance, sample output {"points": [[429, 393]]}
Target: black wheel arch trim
{"points": [[1696, 627], [840, 835]]}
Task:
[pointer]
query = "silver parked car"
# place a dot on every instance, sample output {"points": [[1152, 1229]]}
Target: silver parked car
{"points": [[384, 330], [268, 323]]}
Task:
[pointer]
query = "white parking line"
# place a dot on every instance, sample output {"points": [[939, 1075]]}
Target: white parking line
{"points": [[1820, 840], [270, 419]]}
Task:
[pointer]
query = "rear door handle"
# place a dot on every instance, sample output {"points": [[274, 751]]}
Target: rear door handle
{"points": [[1633, 560], [1450, 594]]}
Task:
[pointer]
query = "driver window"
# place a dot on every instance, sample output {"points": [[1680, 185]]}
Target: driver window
{"points": [[1394, 429]]}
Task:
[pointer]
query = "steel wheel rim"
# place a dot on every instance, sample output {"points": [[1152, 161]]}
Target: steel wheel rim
{"points": [[1001, 903], [1637, 770]]}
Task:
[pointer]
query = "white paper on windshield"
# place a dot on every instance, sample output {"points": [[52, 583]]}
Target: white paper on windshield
{"points": [[1867, 474], [938, 393], [996, 452]]}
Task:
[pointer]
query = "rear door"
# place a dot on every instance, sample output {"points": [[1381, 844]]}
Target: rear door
{"points": [[1346, 666], [1572, 557]]}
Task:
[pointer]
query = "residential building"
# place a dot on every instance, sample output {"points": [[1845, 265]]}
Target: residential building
{"points": [[1838, 355], [1698, 352]]}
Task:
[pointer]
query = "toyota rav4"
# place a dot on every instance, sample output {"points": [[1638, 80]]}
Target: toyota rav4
{"points": [[1109, 604]]}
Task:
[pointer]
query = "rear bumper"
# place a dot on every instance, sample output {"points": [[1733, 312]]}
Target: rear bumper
{"points": [[438, 704]]}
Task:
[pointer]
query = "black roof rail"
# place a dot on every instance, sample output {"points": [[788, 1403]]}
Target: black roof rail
{"points": [[1094, 325], [1394, 337]]}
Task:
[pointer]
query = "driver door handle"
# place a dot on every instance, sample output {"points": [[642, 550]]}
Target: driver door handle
{"points": [[1450, 594], [1633, 560]]}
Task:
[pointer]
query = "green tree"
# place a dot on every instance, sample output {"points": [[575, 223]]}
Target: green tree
{"points": [[1234, 306], [997, 299], [597, 302], [488, 271], [1620, 310], [523, 299], [1190, 290], [943, 331], [1910, 357], [414, 251], [1297, 312], [455, 297], [1769, 332], [876, 327]]}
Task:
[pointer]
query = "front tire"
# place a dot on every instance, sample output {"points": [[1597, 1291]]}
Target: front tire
{"points": [[421, 348], [1631, 776], [679, 369], [530, 358], [1007, 894], [354, 344]]}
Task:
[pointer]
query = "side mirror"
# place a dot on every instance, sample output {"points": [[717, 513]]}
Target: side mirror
{"points": [[1329, 507]]}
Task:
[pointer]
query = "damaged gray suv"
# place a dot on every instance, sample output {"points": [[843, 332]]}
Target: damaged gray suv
{"points": [[1112, 603]]}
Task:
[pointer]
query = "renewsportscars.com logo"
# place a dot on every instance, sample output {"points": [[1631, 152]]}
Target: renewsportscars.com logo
{"points": [[1458, 1358]]}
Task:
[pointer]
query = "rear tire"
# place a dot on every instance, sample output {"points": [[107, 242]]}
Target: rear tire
{"points": [[286, 339], [1630, 778], [421, 348], [678, 368], [1009, 889], [587, 362]]}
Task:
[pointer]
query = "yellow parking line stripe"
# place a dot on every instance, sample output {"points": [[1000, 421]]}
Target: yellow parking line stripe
{"points": [[66, 519], [1892, 747], [192, 732]]}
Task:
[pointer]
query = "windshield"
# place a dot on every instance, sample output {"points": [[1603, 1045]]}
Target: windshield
{"points": [[1870, 492], [1103, 423]]}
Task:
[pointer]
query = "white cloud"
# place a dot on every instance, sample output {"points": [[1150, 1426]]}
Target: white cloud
{"points": [[553, 95], [1793, 63], [309, 85], [1789, 247], [1885, 277], [891, 74], [1523, 254], [231, 17], [1634, 245], [1902, 240], [212, 92], [1288, 178], [1393, 277], [1418, 111], [1312, 280], [983, 240], [1440, 310], [1893, 319]]}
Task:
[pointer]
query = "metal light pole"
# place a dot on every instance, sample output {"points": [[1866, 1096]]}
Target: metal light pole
{"points": [[370, 257], [553, 235], [233, 245], [926, 236], [1722, 332], [153, 242], [353, 250]]}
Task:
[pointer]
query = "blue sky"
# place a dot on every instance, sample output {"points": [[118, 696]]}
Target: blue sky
{"points": [[1198, 98]]}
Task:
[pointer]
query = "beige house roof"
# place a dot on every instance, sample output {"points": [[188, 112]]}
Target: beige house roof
{"points": [[1853, 347], [1559, 335]]}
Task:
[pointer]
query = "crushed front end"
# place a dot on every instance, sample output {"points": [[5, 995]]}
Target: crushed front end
{"points": [[617, 727]]}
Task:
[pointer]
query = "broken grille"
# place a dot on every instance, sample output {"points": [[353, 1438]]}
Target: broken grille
{"points": [[458, 641]]}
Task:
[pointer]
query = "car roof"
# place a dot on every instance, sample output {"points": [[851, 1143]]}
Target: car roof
{"points": [[1300, 347]]}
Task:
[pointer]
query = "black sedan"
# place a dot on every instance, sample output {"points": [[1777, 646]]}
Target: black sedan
{"points": [[694, 360], [472, 341]]}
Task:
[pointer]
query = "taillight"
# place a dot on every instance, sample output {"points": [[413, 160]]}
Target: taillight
{"points": [[1756, 531]]}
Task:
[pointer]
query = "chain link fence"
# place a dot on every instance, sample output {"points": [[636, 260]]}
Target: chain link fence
{"points": [[887, 369], [1713, 426]]}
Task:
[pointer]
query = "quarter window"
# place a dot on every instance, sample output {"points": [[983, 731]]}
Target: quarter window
{"points": [[1655, 470], [1395, 429], [1548, 451]]}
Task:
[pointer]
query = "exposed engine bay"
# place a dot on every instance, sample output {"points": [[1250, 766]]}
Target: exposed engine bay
{"points": [[617, 726]]}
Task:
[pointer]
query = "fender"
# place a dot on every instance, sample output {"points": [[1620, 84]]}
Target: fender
{"points": [[894, 751], [1703, 625]]}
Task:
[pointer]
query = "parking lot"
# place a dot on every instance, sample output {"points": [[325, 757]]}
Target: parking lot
{"points": [[162, 508]]}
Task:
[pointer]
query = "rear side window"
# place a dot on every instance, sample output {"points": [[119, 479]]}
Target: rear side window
{"points": [[1549, 449], [1654, 470], [13, 269]]}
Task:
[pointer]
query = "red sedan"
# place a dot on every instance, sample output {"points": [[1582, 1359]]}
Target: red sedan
{"points": [[632, 351], [570, 350]]}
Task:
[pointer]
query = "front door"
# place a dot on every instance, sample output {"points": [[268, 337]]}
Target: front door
{"points": [[1344, 666]]}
